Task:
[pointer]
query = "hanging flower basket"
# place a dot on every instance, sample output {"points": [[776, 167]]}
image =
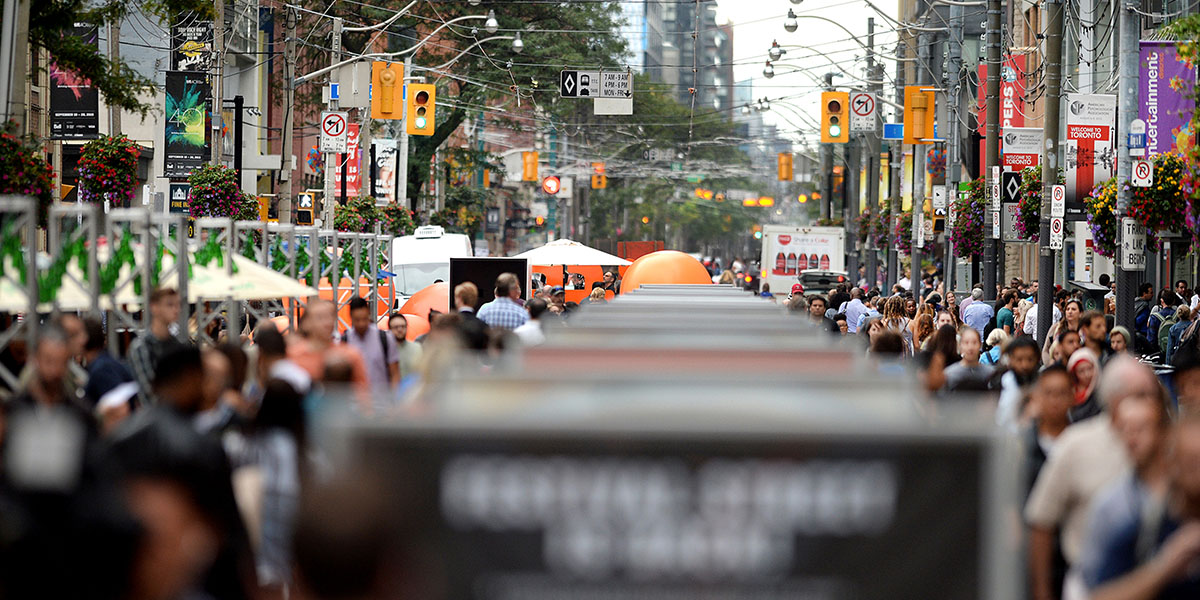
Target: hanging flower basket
{"points": [[903, 232], [1163, 206], [24, 172], [357, 215], [216, 193], [1100, 205], [830, 222], [1029, 208], [873, 223], [397, 220], [108, 170], [969, 210]]}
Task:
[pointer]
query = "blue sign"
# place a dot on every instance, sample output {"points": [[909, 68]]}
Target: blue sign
{"points": [[333, 91], [1137, 141], [893, 131]]}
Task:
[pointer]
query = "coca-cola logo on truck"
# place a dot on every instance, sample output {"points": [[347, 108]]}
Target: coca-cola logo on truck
{"points": [[785, 240]]}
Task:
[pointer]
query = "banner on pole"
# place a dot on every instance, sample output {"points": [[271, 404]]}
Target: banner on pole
{"points": [[1091, 151], [1021, 147], [1164, 82], [192, 47], [352, 163], [188, 97], [74, 101], [385, 170], [1012, 104]]}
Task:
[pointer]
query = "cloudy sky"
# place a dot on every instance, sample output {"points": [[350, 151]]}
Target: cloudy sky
{"points": [[793, 91]]}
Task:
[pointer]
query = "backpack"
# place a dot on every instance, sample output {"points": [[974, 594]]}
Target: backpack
{"points": [[1164, 331], [382, 342]]}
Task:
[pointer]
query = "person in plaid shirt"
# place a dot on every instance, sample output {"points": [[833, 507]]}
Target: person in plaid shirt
{"points": [[506, 311]]}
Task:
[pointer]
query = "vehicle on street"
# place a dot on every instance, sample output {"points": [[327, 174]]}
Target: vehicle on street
{"points": [[420, 259]]}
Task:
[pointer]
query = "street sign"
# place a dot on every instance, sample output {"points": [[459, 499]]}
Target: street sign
{"points": [[994, 203], [1058, 201], [1143, 173], [926, 228], [921, 230], [1056, 233], [1009, 213], [1010, 187], [893, 131], [1137, 138], [616, 84], [862, 113], [579, 84], [657, 154], [334, 131], [1133, 245], [939, 198], [995, 224], [335, 91]]}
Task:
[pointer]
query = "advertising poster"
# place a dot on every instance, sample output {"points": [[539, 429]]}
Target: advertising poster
{"points": [[1090, 156], [351, 161], [180, 197], [74, 102], [1164, 81], [385, 170], [186, 137], [1012, 100], [192, 46], [1021, 147]]}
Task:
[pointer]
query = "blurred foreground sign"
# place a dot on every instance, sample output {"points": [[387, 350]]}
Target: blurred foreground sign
{"points": [[692, 506]]}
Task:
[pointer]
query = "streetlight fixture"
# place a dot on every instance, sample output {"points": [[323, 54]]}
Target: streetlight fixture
{"points": [[793, 1], [768, 71], [791, 23], [776, 50], [491, 25], [746, 108], [478, 2], [517, 44]]}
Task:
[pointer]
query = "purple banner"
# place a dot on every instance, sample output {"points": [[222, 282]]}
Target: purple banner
{"points": [[1164, 81]]}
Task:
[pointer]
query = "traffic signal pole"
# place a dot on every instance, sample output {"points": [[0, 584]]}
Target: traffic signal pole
{"points": [[331, 158], [827, 165], [993, 249], [918, 180], [1128, 99], [874, 145], [1053, 64]]}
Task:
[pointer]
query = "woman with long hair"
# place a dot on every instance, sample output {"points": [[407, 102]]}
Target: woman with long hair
{"points": [[1069, 322], [924, 331], [895, 317]]}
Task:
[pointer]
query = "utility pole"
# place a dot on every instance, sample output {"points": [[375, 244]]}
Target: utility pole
{"points": [[851, 206], [918, 180], [402, 153], [289, 116], [114, 55], [874, 143], [827, 166], [239, 106], [954, 136], [993, 249], [1129, 26], [1053, 64], [895, 163], [14, 38], [216, 147], [332, 158]]}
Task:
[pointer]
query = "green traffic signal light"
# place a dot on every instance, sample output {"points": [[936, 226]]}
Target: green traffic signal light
{"points": [[835, 126]]}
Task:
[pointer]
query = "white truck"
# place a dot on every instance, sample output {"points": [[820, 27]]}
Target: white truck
{"points": [[788, 251], [424, 257]]}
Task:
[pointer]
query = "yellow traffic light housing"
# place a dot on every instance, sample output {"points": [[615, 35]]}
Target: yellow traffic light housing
{"points": [[421, 99], [919, 106], [784, 163], [835, 118], [387, 84]]}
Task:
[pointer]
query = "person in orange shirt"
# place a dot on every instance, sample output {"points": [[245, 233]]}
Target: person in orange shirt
{"points": [[318, 351]]}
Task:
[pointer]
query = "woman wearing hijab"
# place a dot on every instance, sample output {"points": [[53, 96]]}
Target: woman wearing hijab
{"points": [[1084, 368]]}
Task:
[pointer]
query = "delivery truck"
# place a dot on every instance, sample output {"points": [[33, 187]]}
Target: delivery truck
{"points": [[788, 251]]}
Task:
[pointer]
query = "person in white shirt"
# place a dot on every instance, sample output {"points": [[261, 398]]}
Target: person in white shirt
{"points": [[531, 333]]}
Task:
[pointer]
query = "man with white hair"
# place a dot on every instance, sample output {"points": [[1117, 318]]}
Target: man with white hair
{"points": [[979, 313], [1086, 459]]}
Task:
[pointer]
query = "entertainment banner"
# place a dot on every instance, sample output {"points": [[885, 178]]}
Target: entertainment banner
{"points": [[187, 123], [74, 102], [1164, 81], [1091, 155], [192, 46], [353, 164], [385, 170]]}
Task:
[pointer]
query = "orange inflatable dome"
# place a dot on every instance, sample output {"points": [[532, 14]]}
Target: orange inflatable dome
{"points": [[417, 326], [664, 266], [435, 297]]}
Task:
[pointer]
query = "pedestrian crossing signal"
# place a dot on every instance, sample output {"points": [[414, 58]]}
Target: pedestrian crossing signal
{"points": [[834, 117]]}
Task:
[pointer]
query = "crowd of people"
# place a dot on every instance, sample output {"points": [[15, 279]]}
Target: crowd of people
{"points": [[1111, 450], [178, 470]]}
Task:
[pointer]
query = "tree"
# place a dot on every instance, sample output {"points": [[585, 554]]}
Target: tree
{"points": [[51, 26]]}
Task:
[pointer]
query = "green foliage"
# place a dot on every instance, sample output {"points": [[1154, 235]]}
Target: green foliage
{"points": [[217, 193], [463, 210], [51, 27]]}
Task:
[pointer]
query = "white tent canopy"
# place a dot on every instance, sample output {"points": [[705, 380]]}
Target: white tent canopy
{"points": [[571, 253]]}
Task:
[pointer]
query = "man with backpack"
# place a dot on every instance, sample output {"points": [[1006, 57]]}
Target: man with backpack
{"points": [[380, 356], [1142, 305]]}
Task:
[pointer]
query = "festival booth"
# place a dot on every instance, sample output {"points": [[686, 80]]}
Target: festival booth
{"points": [[560, 257]]}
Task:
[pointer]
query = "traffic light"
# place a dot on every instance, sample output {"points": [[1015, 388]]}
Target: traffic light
{"points": [[599, 179], [757, 231], [387, 85], [802, 198], [835, 121], [785, 166], [645, 220], [539, 221], [529, 166], [551, 185], [918, 114], [421, 99]]}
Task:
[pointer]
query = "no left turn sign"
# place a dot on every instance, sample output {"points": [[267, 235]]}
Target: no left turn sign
{"points": [[334, 131], [862, 113]]}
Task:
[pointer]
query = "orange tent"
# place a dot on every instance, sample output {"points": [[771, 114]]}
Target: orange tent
{"points": [[664, 266], [435, 297], [417, 326]]}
